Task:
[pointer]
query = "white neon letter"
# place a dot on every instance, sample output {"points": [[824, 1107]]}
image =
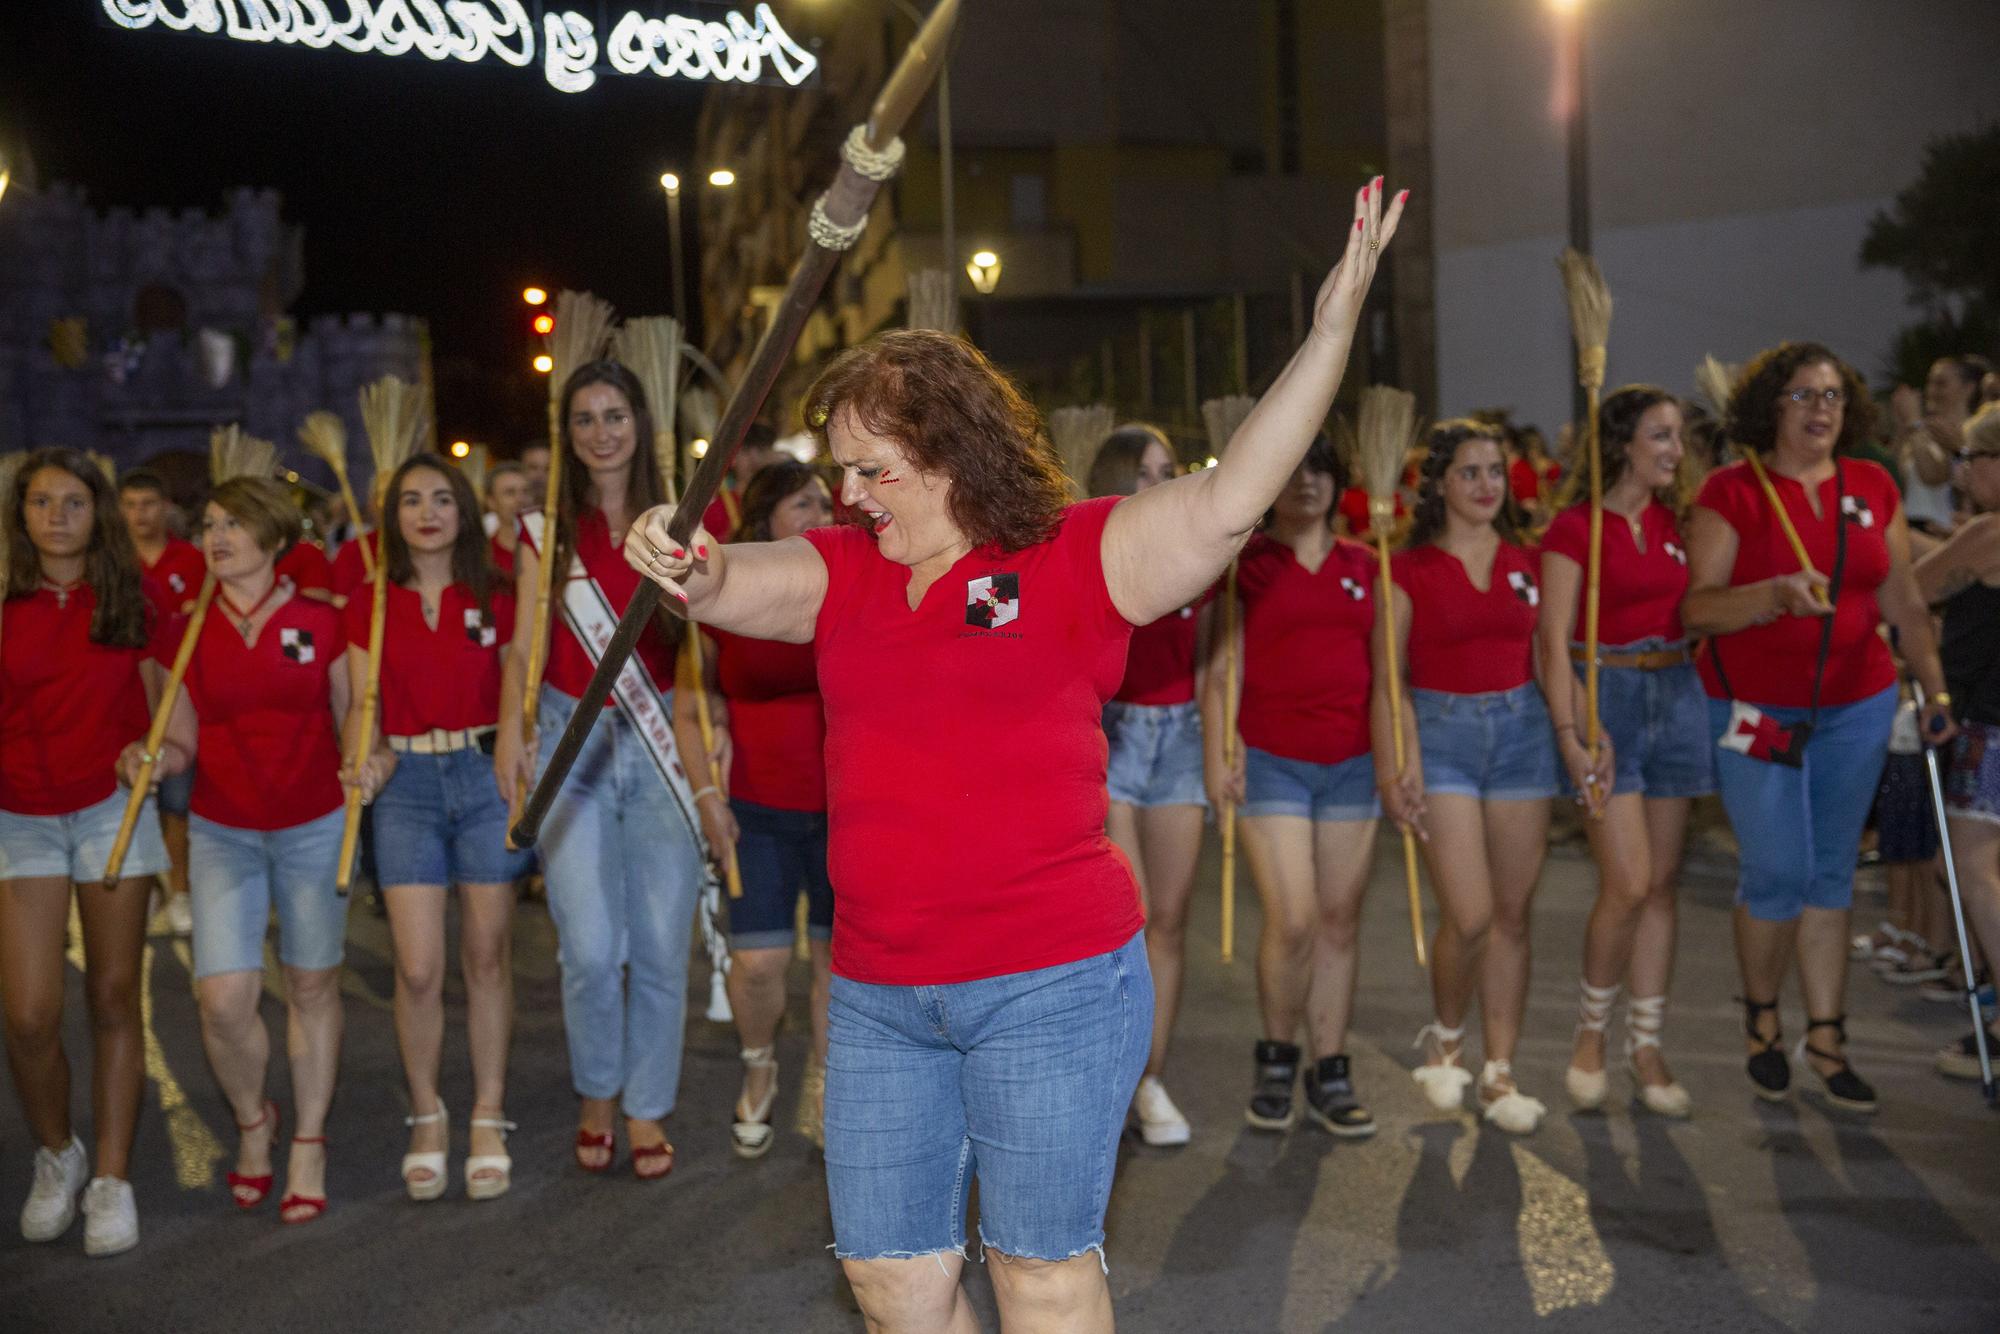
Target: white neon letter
{"points": [[569, 52]]}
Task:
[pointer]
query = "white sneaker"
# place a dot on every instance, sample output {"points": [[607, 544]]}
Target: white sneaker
{"points": [[51, 1205], [1160, 1122], [179, 915], [110, 1218]]}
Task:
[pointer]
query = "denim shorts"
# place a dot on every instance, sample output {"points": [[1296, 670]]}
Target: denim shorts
{"points": [[1972, 775], [175, 792], [1274, 785], [1023, 1080], [236, 877], [77, 846], [1495, 746], [1658, 725], [781, 855], [1155, 754], [1798, 831], [440, 821]]}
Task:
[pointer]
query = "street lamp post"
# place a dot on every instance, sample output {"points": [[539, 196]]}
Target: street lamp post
{"points": [[1569, 24], [672, 185]]}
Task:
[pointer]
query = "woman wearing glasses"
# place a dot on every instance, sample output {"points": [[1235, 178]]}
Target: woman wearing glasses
{"points": [[1796, 556]]}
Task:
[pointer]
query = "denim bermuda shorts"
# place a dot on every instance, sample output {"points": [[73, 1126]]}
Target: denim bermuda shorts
{"points": [[1658, 725], [237, 877], [440, 821], [1023, 1080], [1972, 774], [781, 855], [1495, 746], [77, 846], [1155, 754], [1274, 785]]}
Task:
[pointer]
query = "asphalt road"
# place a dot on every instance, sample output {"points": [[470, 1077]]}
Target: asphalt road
{"points": [[1746, 1218]]}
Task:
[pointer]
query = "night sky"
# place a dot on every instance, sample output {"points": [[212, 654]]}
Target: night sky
{"points": [[438, 190]]}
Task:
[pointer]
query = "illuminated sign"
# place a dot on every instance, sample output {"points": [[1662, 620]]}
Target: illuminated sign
{"points": [[733, 48]]}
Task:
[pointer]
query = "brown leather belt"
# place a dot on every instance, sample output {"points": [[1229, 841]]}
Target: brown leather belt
{"points": [[1659, 660]]}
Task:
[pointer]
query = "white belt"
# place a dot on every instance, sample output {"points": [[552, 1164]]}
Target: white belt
{"points": [[440, 740]]}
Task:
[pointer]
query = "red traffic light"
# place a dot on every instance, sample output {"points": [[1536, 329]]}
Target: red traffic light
{"points": [[545, 323]]}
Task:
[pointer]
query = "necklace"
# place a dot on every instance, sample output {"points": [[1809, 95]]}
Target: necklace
{"points": [[240, 617], [62, 591]]}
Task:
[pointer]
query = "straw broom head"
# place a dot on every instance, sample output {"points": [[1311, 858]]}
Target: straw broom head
{"points": [[324, 435], [651, 349], [396, 417], [475, 465], [1589, 314], [105, 464], [1388, 422], [700, 411], [1076, 434], [1713, 379], [583, 323], [10, 472], [1222, 417], [232, 454]]}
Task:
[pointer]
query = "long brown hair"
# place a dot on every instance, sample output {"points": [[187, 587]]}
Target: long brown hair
{"points": [[1442, 446], [1114, 470], [645, 486], [471, 556], [771, 486], [110, 563]]}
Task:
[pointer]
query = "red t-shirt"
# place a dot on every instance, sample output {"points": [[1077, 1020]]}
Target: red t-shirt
{"points": [[1354, 508], [776, 723], [1526, 483], [503, 558], [1642, 592], [448, 677], [68, 706], [178, 572], [349, 572], [1773, 664], [1463, 641], [1306, 669], [1160, 666], [308, 569], [569, 667], [266, 756], [966, 756]]}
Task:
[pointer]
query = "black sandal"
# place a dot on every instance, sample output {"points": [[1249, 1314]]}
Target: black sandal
{"points": [[1770, 1073], [1844, 1088], [1272, 1105]]}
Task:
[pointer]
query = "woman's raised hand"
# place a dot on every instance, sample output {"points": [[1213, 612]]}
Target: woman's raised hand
{"points": [[1338, 306], [653, 552]]}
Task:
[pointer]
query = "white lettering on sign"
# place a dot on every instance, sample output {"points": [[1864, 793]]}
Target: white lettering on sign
{"points": [[734, 49]]}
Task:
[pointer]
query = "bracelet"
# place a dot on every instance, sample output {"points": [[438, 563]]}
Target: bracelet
{"points": [[710, 791], [1565, 727], [1942, 697]]}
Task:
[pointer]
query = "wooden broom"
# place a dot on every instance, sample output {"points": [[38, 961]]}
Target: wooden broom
{"points": [[1076, 433], [231, 454], [476, 465], [396, 417], [1222, 417], [1388, 422], [325, 437], [1590, 323], [582, 324], [651, 349]]}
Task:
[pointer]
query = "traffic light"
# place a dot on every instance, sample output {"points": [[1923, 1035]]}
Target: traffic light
{"points": [[545, 324]]}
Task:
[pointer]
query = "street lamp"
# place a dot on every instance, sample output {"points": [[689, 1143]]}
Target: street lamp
{"points": [[984, 270], [535, 296], [544, 363], [460, 449], [672, 185], [722, 178]]}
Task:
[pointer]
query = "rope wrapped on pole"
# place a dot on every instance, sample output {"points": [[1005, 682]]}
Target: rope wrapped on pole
{"points": [[868, 158]]}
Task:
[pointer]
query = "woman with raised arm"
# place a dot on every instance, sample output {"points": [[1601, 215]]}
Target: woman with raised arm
{"points": [[620, 852], [991, 1008], [1796, 557], [260, 720], [1477, 786], [1653, 757], [80, 648], [1305, 782], [439, 818]]}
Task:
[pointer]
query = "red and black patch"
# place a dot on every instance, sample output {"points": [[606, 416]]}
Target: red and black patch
{"points": [[296, 644], [992, 600], [1353, 588], [479, 627], [1524, 587]]}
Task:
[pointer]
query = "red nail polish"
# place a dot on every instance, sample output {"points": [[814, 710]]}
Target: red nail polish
{"points": [[701, 552], [1357, 224], [679, 554], [1364, 191], [1378, 182], [1402, 196]]}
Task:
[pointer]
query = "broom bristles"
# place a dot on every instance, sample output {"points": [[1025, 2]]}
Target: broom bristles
{"points": [[1223, 417], [700, 412], [232, 453], [933, 294], [1713, 379], [395, 416], [1076, 433], [475, 465], [1589, 311], [651, 349], [324, 435], [583, 324], [1388, 422], [10, 471]]}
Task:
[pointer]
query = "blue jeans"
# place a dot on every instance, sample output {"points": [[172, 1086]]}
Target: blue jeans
{"points": [[1155, 755], [623, 877], [1274, 785], [1024, 1079], [1658, 725], [780, 854], [238, 877], [440, 821], [1799, 830], [1495, 746]]}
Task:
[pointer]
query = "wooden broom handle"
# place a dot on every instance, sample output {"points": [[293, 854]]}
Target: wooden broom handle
{"points": [[1784, 516], [156, 734], [1229, 712], [364, 737], [538, 638], [1392, 664], [732, 872]]}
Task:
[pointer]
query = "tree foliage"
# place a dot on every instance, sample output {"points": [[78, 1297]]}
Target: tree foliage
{"points": [[1943, 235]]}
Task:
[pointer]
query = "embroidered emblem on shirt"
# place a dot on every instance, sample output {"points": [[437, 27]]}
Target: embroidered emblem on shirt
{"points": [[296, 644], [1855, 508], [992, 600], [479, 628], [1524, 588], [1352, 589], [1676, 552], [176, 583]]}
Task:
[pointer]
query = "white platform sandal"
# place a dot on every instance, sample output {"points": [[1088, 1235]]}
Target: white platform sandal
{"points": [[488, 1176], [1587, 1088], [751, 1135], [431, 1187], [1443, 1082], [1645, 1016], [1513, 1111]]}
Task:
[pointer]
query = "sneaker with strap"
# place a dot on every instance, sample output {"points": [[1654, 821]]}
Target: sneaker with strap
{"points": [[1443, 1080], [59, 1178], [1645, 1017], [1272, 1106], [110, 1217], [1587, 1088], [1331, 1100], [1160, 1122]]}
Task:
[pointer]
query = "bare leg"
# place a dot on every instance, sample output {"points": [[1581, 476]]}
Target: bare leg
{"points": [[1517, 838], [1622, 850], [114, 943], [1652, 965], [486, 957], [1172, 846], [1822, 948], [1341, 863], [822, 991], [34, 916], [1456, 855], [1051, 1296], [757, 996], [312, 1042], [239, 1052], [1280, 851], [174, 829], [920, 1295], [1763, 956], [416, 928], [1976, 844]]}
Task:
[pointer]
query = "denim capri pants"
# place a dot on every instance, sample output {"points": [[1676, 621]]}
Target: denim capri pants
{"points": [[1658, 725], [77, 846], [781, 854], [440, 821], [1799, 830], [1023, 1080], [1274, 785], [237, 878], [1155, 754], [1495, 746]]}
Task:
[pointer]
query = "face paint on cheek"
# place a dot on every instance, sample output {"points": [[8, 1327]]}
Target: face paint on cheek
{"points": [[888, 478]]}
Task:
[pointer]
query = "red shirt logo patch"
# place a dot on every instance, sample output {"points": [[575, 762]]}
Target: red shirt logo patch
{"points": [[1524, 588], [176, 583], [296, 644], [1856, 509], [992, 600], [1352, 589], [479, 627], [1676, 552]]}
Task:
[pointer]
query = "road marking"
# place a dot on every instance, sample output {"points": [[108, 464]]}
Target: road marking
{"points": [[1561, 1253], [196, 1150]]}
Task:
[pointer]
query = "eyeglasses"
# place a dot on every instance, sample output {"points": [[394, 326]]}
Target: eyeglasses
{"points": [[1833, 398], [1968, 455]]}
